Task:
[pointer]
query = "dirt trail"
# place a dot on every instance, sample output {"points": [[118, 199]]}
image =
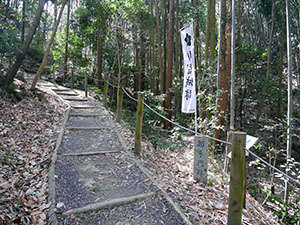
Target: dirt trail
{"points": [[94, 179]]}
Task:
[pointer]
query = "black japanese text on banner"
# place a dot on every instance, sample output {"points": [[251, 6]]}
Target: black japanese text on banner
{"points": [[189, 84]]}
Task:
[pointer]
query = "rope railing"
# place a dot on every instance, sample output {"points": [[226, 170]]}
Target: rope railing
{"points": [[212, 138], [193, 132], [273, 167]]}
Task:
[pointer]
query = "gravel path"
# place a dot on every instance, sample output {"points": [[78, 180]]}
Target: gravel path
{"points": [[107, 173]]}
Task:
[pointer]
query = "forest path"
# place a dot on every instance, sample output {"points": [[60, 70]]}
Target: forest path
{"points": [[93, 178]]}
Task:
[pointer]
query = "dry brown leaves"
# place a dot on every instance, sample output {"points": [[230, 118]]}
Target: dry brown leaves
{"points": [[202, 204], [28, 133]]}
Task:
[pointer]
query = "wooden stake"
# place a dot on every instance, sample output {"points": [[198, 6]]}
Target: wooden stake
{"points": [[72, 79], [237, 173], [121, 94], [53, 75], [86, 85], [139, 121], [105, 92]]}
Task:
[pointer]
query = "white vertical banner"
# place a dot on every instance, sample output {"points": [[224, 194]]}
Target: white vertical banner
{"points": [[189, 84]]}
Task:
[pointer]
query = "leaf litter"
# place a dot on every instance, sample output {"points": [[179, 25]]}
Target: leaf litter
{"points": [[28, 133], [202, 204]]}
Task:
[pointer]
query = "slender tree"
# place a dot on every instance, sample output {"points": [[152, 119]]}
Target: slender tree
{"points": [[290, 94], [159, 49], [23, 21], [45, 58], [12, 71], [99, 51], [282, 48], [67, 45], [170, 63], [266, 86], [224, 78]]}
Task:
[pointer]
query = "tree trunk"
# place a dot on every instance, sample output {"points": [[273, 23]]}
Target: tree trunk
{"points": [[265, 89], [119, 69], [164, 46], [23, 21], [99, 53], [151, 53], [66, 45], [45, 59], [177, 62], [12, 71], [170, 64], [212, 31], [142, 82], [160, 60], [207, 33], [290, 95], [282, 47], [224, 76]]}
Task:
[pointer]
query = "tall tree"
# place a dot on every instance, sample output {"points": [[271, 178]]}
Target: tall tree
{"points": [[266, 86], [224, 76], [67, 44], [50, 42], [170, 64], [282, 48], [23, 21], [99, 51], [290, 94], [12, 71], [210, 33], [159, 49]]}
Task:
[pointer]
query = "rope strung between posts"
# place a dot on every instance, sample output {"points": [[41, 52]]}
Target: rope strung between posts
{"points": [[225, 142], [176, 124], [279, 171]]}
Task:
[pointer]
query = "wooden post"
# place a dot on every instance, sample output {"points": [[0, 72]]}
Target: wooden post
{"points": [[246, 181], [227, 150], [119, 113], [86, 85], [139, 121], [72, 79], [53, 75], [237, 173], [105, 91]]}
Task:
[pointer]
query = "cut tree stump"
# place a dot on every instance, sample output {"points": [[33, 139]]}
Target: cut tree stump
{"points": [[109, 204]]}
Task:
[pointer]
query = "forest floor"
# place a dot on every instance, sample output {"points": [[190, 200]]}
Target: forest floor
{"points": [[28, 133]]}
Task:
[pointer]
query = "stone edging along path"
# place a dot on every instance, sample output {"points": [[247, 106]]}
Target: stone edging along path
{"points": [[94, 178]]}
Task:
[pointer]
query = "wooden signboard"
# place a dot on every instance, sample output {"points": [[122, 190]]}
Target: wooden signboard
{"points": [[200, 158]]}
